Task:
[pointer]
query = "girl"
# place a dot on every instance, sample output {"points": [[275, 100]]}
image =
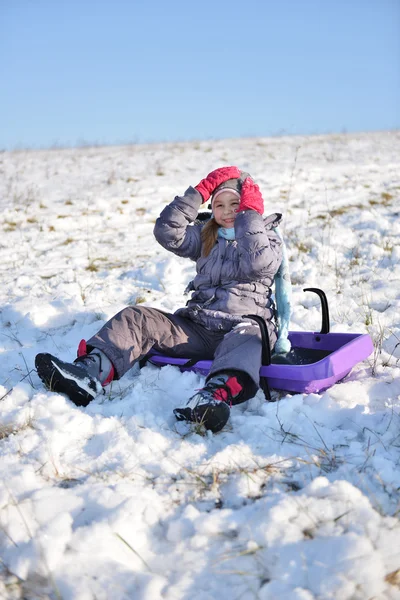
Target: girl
{"points": [[237, 255]]}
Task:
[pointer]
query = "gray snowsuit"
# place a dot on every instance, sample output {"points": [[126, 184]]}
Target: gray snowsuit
{"points": [[233, 280]]}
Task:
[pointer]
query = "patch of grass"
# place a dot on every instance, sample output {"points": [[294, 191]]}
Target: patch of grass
{"points": [[124, 201], [10, 225], [386, 197], [92, 267], [12, 428], [393, 578], [303, 247], [337, 212], [140, 212], [378, 334], [388, 246], [32, 220], [368, 320], [68, 203], [67, 241], [355, 258], [62, 216], [6, 431], [384, 200]]}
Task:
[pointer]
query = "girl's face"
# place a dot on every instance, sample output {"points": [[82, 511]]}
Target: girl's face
{"points": [[224, 209]]}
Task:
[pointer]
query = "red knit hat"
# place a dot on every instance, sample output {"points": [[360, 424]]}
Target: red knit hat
{"points": [[224, 191], [232, 185]]}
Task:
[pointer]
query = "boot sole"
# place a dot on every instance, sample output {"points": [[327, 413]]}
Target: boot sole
{"points": [[212, 416], [66, 378]]}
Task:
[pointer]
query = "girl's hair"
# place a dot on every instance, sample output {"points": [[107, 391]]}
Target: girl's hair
{"points": [[209, 234]]}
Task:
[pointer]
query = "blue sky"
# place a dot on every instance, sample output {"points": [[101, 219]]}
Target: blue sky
{"points": [[122, 71]]}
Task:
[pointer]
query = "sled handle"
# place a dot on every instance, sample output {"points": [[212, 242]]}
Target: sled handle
{"points": [[325, 326], [265, 352]]}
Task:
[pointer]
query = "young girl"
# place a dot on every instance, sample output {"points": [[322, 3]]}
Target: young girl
{"points": [[237, 254]]}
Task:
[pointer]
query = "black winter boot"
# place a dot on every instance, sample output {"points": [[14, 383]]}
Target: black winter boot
{"points": [[81, 380], [210, 406]]}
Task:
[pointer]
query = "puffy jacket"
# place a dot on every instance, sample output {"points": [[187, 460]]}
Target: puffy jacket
{"points": [[235, 278]]}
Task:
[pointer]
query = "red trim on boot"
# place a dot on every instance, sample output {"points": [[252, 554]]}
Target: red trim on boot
{"points": [[233, 385], [82, 351], [82, 348], [110, 377]]}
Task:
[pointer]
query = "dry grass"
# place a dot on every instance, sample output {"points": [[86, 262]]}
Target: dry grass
{"points": [[393, 578]]}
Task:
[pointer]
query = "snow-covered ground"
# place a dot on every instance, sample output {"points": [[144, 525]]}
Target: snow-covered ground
{"points": [[297, 499]]}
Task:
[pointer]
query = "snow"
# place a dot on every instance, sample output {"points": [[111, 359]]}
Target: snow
{"points": [[296, 499]]}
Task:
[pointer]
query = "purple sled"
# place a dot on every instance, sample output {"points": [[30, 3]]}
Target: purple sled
{"points": [[321, 361], [315, 363]]}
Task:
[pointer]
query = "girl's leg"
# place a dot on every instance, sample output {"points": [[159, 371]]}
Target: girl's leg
{"points": [[124, 340], [132, 333], [240, 352], [233, 378]]}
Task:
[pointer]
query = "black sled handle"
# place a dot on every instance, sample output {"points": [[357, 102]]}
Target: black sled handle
{"points": [[265, 353], [325, 327]]}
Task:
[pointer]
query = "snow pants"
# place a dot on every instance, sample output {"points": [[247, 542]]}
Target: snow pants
{"points": [[132, 333]]}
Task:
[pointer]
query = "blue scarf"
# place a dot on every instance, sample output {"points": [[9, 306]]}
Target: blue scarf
{"points": [[228, 233], [283, 299]]}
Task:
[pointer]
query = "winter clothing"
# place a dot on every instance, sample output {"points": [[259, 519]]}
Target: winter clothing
{"points": [[81, 381], [236, 277], [209, 184], [96, 363], [131, 334], [234, 184], [224, 190], [210, 405], [134, 332], [251, 198], [234, 280], [283, 300], [67, 378], [228, 233]]}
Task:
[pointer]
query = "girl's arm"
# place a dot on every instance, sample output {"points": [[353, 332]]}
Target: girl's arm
{"points": [[259, 247], [172, 228]]}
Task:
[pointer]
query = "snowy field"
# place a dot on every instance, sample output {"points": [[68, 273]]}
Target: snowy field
{"points": [[296, 499]]}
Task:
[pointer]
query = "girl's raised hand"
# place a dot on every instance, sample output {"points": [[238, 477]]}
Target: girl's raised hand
{"points": [[250, 197], [209, 184]]}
